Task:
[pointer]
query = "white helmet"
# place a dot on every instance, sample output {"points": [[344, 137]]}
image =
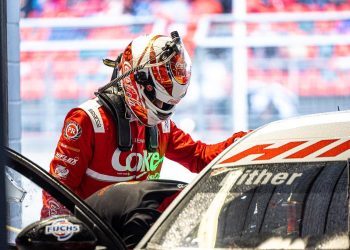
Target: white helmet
{"points": [[154, 72]]}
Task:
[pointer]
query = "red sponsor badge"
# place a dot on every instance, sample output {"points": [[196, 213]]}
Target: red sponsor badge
{"points": [[72, 130]]}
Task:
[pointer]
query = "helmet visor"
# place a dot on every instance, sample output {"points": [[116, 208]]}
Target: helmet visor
{"points": [[180, 67], [162, 110], [172, 64]]}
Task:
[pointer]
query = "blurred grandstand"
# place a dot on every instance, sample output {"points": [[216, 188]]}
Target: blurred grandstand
{"points": [[267, 60]]}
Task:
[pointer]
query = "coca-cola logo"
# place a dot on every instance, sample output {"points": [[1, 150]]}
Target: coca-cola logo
{"points": [[135, 161]]}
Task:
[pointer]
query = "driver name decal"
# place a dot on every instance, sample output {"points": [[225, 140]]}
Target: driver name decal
{"points": [[262, 177]]}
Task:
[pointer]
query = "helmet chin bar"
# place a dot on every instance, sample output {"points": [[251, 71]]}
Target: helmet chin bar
{"points": [[170, 49], [161, 113]]}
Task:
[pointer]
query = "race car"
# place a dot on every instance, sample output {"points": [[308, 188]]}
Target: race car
{"points": [[282, 186]]}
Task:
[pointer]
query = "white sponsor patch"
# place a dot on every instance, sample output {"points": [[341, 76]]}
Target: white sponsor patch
{"points": [[166, 126], [91, 108], [138, 140], [61, 171]]}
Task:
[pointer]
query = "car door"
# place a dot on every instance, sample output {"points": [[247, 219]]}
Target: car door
{"points": [[25, 182]]}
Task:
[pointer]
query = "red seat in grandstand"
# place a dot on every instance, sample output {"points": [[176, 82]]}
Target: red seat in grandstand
{"points": [[342, 50], [32, 89], [324, 27], [200, 7], [34, 34], [66, 89], [113, 32]]}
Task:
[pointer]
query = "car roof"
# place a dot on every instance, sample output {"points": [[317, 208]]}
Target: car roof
{"points": [[318, 137]]}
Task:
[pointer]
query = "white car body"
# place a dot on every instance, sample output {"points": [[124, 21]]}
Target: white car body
{"points": [[319, 137], [280, 155]]}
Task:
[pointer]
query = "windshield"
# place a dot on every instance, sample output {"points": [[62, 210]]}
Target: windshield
{"points": [[294, 205]]}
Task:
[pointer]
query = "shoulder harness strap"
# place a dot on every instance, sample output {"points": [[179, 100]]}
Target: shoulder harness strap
{"points": [[116, 107], [152, 138]]}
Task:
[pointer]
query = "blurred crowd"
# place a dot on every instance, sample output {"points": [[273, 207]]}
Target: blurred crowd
{"points": [[61, 8], [310, 72]]}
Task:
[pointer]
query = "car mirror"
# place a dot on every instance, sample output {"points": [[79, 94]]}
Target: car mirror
{"points": [[57, 232]]}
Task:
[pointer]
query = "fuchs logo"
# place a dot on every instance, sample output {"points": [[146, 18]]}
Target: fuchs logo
{"points": [[62, 229], [72, 130]]}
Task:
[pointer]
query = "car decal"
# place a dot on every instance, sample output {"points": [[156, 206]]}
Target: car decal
{"points": [[311, 149], [62, 229], [334, 148], [337, 150]]}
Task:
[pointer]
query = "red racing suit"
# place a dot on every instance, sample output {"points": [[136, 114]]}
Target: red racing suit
{"points": [[87, 157]]}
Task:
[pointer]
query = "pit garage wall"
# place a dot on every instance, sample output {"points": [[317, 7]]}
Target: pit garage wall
{"points": [[14, 210], [13, 54], [3, 119]]}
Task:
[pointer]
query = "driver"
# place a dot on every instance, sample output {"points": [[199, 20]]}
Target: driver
{"points": [[124, 133]]}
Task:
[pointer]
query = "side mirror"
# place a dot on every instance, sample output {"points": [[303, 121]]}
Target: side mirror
{"points": [[57, 232]]}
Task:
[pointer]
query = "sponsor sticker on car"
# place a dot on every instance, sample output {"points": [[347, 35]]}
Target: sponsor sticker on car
{"points": [[264, 176], [316, 150], [62, 229]]}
